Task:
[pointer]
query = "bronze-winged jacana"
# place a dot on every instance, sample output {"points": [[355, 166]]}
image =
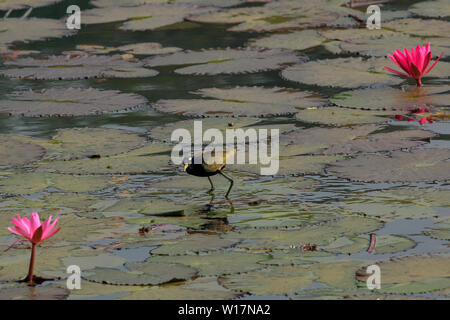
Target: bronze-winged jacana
{"points": [[210, 168]]}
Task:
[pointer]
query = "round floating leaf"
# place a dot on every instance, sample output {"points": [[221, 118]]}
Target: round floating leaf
{"points": [[382, 142], [392, 244], [320, 234], [147, 48], [140, 274], [414, 166], [32, 182], [16, 29], [298, 40], [194, 244], [293, 165], [409, 274], [419, 27], [89, 142], [216, 264], [144, 17], [342, 72], [243, 101], [354, 34], [142, 160], [15, 153], [437, 8], [76, 67], [284, 15], [227, 61], [398, 203], [202, 288], [393, 99], [25, 292], [164, 133], [70, 101], [270, 281], [130, 3], [381, 46], [315, 140], [342, 116]]}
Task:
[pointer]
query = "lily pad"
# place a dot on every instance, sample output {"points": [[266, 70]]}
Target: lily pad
{"points": [[227, 61], [76, 67], [398, 203], [342, 116], [393, 99], [147, 48], [298, 40], [437, 8], [342, 72], [139, 274], [285, 15], [25, 292], [16, 29], [15, 153], [419, 27], [409, 274], [242, 101], [381, 46], [414, 166], [89, 142], [32, 182], [216, 264], [69, 101], [196, 243], [144, 17], [131, 3], [142, 160]]}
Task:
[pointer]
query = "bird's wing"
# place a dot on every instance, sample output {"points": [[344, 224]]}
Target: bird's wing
{"points": [[209, 163]]}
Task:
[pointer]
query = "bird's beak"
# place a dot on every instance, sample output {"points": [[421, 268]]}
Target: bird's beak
{"points": [[185, 166]]}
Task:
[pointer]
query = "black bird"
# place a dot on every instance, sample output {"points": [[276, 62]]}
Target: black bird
{"points": [[209, 168]]}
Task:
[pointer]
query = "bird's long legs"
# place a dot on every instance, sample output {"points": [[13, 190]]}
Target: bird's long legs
{"points": [[212, 186], [231, 183]]}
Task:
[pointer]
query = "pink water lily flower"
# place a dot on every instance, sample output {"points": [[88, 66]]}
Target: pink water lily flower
{"points": [[34, 231], [414, 62]]}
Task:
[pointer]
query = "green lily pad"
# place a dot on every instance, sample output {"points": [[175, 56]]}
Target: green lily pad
{"points": [[147, 48], [76, 67], [216, 264], [393, 99], [143, 17], [132, 3], [298, 40], [15, 153], [227, 61], [392, 244], [342, 116], [16, 29], [69, 101], [399, 203], [414, 166], [410, 274], [242, 101], [87, 142], [293, 165], [25, 292], [381, 46], [140, 274], [203, 288], [342, 72], [419, 27], [32, 182], [437, 8], [196, 243], [270, 281], [321, 234], [285, 15]]}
